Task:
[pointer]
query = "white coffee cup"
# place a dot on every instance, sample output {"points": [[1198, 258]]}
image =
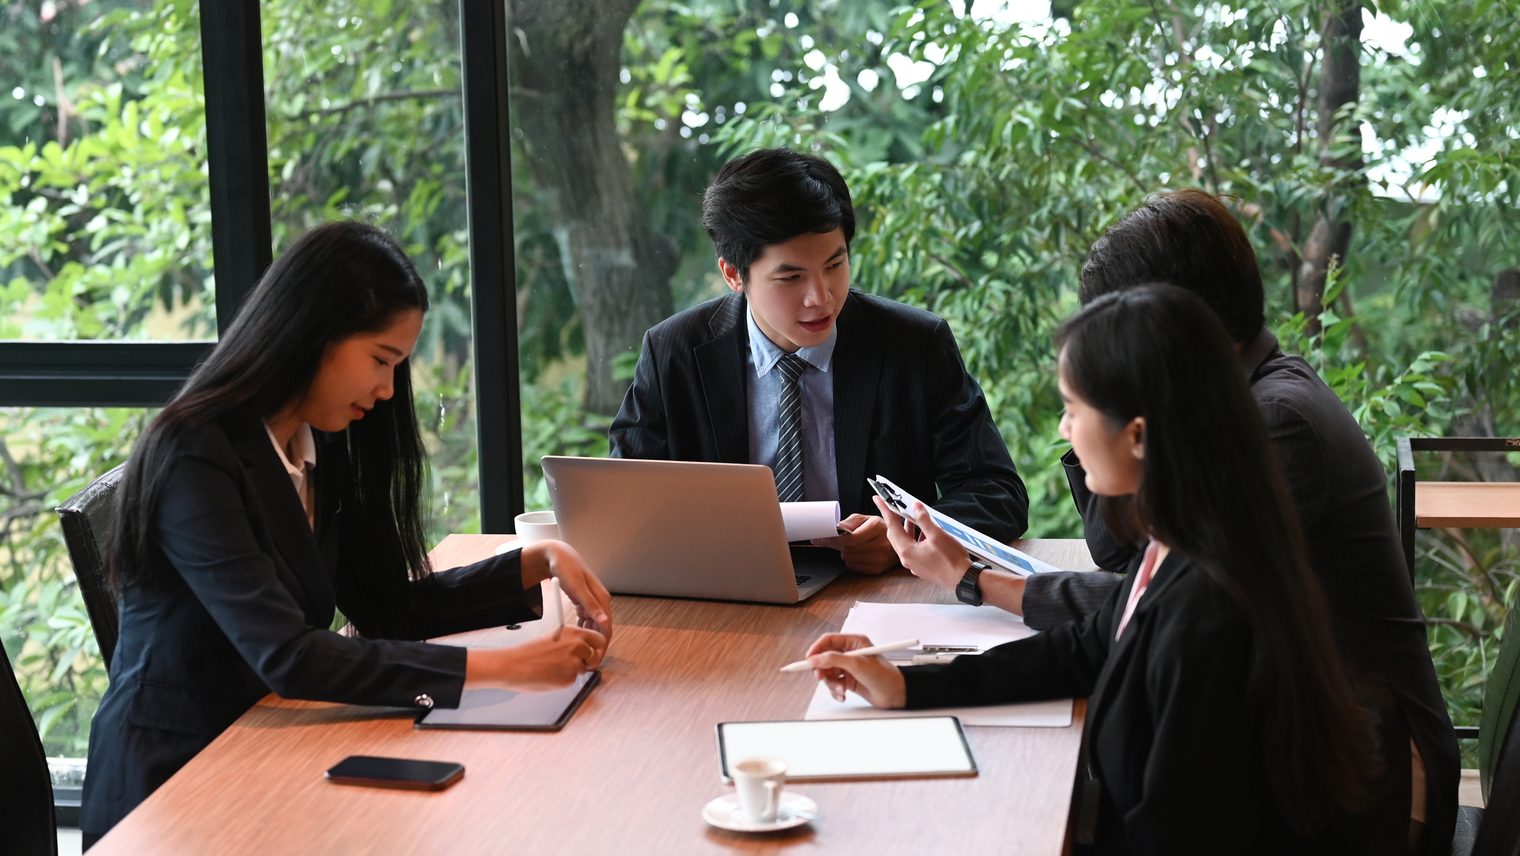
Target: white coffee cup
{"points": [[758, 783], [535, 526]]}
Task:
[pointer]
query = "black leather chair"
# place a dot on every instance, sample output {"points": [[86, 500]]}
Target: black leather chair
{"points": [[27, 823], [88, 520], [1495, 829]]}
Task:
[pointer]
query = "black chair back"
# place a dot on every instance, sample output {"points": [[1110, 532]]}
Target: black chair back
{"points": [[27, 823], [89, 517]]}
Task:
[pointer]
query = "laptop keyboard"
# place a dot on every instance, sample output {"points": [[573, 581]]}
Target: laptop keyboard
{"points": [[802, 578]]}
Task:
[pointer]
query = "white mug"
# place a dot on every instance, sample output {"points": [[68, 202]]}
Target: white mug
{"points": [[758, 782], [535, 526]]}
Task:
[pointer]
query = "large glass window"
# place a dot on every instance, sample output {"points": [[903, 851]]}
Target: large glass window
{"points": [[104, 236], [619, 122], [46, 455], [366, 121], [988, 144], [104, 213]]}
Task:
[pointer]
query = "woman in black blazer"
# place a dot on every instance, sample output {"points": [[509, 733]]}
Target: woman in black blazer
{"points": [[1219, 719], [284, 482]]}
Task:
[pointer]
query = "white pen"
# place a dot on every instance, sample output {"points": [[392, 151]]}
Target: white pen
{"points": [[553, 611], [803, 665]]}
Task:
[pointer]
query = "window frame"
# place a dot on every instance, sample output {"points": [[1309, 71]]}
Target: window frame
{"points": [[145, 374], [84, 373]]}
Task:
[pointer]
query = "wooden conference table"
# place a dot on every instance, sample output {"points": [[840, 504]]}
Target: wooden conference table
{"points": [[631, 771]]}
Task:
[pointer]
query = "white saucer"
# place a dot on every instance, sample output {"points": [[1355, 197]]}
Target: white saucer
{"points": [[793, 810]]}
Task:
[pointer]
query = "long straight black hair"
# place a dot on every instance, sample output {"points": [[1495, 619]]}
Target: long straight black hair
{"points": [[336, 281], [1212, 490]]}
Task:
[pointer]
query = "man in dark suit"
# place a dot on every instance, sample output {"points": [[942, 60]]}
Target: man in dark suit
{"points": [[824, 384]]}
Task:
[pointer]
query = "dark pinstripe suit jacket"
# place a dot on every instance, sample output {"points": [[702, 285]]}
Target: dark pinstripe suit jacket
{"points": [[247, 594], [904, 407]]}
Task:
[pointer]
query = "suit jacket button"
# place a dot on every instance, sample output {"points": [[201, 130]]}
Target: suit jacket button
{"points": [[424, 700]]}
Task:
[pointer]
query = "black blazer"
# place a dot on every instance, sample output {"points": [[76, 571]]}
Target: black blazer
{"points": [[904, 407], [1171, 738], [247, 597], [1340, 490]]}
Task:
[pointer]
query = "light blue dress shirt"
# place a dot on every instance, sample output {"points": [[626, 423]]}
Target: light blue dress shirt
{"points": [[820, 476]]}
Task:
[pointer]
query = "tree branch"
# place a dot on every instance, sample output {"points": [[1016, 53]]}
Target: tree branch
{"points": [[1470, 629], [366, 103]]}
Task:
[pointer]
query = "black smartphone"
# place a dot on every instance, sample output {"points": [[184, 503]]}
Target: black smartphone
{"points": [[395, 773]]}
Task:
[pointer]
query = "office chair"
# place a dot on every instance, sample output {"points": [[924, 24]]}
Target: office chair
{"points": [[1495, 829], [89, 518], [27, 823]]}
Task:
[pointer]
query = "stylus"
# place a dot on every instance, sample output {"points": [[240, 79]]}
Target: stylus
{"points": [[803, 665], [552, 607]]}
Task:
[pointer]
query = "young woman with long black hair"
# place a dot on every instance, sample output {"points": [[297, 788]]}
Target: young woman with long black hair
{"points": [[282, 482], [1219, 718]]}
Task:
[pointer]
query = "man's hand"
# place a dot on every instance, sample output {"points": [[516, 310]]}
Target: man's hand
{"points": [[865, 549]]}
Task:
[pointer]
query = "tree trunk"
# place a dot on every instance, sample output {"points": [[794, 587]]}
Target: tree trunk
{"points": [[565, 63], [1339, 86]]}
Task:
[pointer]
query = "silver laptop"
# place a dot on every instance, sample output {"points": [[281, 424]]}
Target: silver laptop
{"points": [[683, 529]]}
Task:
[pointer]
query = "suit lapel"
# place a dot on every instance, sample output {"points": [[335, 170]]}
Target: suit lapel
{"points": [[857, 373], [720, 364], [1121, 649], [284, 517]]}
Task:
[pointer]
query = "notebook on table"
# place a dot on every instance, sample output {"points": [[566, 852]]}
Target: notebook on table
{"points": [[684, 529]]}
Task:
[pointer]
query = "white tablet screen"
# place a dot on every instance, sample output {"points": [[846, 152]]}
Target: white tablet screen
{"points": [[852, 748]]}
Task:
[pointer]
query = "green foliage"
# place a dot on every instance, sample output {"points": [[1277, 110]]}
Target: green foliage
{"points": [[45, 457], [105, 221], [979, 185], [1046, 132], [555, 423], [1469, 581]]}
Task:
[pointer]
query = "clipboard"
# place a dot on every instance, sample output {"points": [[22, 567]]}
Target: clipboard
{"points": [[898, 747], [495, 709], [978, 544]]}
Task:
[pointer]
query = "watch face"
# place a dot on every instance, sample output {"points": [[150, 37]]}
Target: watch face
{"points": [[970, 589]]}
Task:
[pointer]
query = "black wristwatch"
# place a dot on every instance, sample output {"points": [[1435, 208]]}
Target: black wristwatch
{"points": [[969, 589]]}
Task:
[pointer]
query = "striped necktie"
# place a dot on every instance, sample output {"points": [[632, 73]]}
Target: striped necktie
{"points": [[789, 445]]}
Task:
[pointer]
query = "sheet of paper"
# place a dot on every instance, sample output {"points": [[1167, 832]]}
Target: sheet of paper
{"points": [[977, 543], [804, 521], [941, 624]]}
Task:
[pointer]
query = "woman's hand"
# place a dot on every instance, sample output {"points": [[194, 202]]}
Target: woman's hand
{"points": [[546, 663], [593, 605], [872, 678], [924, 548]]}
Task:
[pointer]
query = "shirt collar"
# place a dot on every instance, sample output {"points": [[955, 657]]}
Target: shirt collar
{"points": [[303, 444], [765, 354]]}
